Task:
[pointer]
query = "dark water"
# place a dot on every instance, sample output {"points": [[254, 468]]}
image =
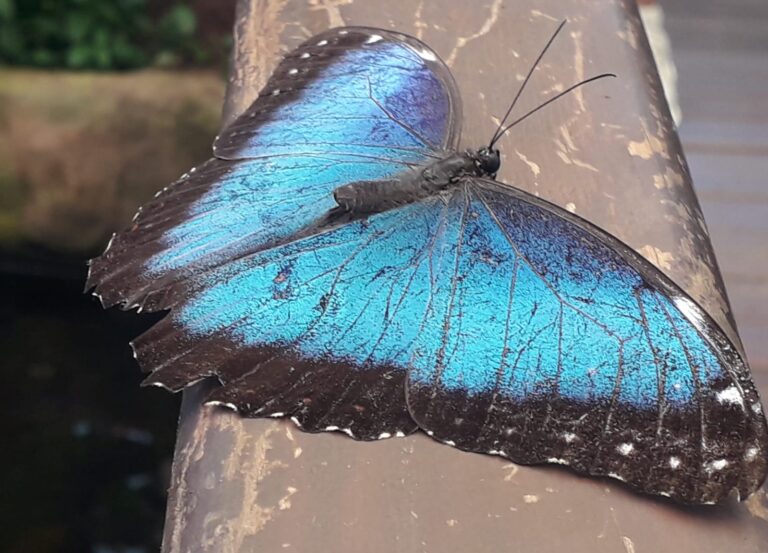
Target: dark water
{"points": [[86, 453]]}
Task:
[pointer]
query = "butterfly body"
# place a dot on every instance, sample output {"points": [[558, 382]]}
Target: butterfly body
{"points": [[439, 176], [343, 263]]}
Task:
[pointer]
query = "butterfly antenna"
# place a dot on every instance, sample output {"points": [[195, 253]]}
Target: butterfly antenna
{"points": [[496, 134], [557, 97]]}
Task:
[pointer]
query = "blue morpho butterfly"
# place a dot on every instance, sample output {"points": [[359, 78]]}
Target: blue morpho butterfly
{"points": [[340, 262]]}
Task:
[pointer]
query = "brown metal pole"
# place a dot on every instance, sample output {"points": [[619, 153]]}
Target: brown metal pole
{"points": [[609, 153]]}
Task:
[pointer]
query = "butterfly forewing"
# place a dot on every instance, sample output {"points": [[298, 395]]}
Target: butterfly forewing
{"points": [[349, 105]]}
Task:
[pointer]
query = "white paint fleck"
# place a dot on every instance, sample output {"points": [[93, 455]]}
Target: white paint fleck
{"points": [[297, 453], [674, 462], [343, 32], [399, 434], [452, 522], [628, 545], [322, 43], [305, 55], [414, 515], [374, 39], [277, 415], [557, 460], [730, 395], [293, 71], [331, 428], [275, 92], [534, 167], [625, 448], [616, 476], [570, 206], [450, 443], [484, 29], [384, 435], [531, 498]]}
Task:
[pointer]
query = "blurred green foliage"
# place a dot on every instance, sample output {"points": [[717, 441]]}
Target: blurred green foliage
{"points": [[101, 34]]}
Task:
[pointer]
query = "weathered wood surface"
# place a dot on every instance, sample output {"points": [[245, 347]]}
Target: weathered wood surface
{"points": [[607, 152], [720, 48]]}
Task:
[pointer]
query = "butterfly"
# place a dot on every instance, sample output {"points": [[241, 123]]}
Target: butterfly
{"points": [[341, 262]]}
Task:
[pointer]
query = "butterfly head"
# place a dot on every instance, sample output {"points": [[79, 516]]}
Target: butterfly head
{"points": [[487, 160]]}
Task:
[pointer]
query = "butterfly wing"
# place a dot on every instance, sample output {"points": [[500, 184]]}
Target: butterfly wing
{"points": [[551, 341], [351, 104], [320, 329]]}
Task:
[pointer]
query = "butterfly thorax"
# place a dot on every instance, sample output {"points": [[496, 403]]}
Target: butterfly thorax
{"points": [[437, 177]]}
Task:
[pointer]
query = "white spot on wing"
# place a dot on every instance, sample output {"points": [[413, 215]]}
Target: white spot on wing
{"points": [[717, 464], [689, 309], [224, 404], [426, 54], [305, 55], [557, 460], [277, 415], [616, 476], [384, 435], [322, 43], [373, 39], [399, 434], [730, 395], [293, 71], [751, 454], [625, 448]]}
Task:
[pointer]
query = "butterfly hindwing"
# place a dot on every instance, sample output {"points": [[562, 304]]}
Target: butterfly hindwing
{"points": [[319, 329], [557, 343]]}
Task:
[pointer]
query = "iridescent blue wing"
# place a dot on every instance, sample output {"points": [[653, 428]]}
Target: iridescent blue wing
{"points": [[352, 104], [349, 105], [548, 340], [320, 329]]}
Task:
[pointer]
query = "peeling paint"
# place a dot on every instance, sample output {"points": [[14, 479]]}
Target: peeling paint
{"points": [[756, 506], [484, 29], [512, 469], [663, 260], [534, 167], [332, 8], [628, 545], [648, 147]]}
